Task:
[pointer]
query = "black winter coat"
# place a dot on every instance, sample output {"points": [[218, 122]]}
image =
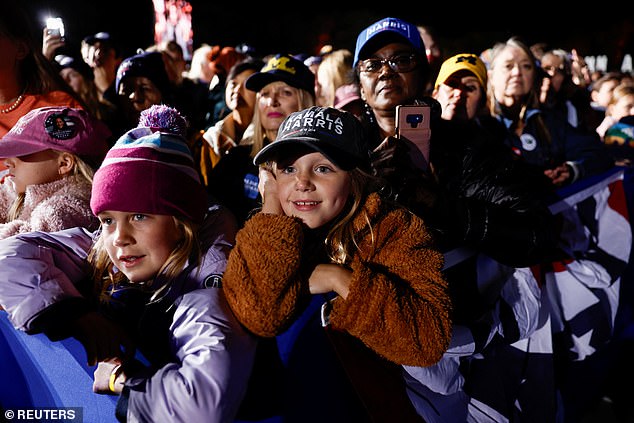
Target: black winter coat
{"points": [[479, 195]]}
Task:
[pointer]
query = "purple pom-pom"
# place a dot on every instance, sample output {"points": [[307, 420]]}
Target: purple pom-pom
{"points": [[164, 118]]}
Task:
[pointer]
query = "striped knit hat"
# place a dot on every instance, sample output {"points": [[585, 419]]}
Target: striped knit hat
{"points": [[150, 170]]}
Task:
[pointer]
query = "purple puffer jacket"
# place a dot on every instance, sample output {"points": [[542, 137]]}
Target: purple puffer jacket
{"points": [[213, 354]]}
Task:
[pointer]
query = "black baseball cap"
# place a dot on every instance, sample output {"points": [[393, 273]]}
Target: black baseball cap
{"points": [[104, 38], [335, 133]]}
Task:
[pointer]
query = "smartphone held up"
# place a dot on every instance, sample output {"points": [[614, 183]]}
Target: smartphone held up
{"points": [[55, 26], [412, 126]]}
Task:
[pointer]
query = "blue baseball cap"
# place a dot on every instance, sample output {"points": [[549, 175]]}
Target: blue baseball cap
{"points": [[385, 31]]}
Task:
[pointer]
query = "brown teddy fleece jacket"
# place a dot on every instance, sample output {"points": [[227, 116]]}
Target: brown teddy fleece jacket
{"points": [[398, 303]]}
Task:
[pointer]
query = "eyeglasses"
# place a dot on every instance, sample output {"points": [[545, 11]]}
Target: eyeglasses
{"points": [[401, 63]]}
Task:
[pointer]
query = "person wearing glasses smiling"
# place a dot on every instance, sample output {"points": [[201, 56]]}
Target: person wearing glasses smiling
{"points": [[474, 195]]}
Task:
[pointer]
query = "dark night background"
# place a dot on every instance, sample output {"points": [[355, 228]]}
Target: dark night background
{"points": [[303, 27]]}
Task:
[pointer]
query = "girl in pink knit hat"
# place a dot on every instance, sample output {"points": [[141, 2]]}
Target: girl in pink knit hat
{"points": [[143, 293]]}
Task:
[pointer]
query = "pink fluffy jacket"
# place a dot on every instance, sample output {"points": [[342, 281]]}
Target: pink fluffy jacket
{"points": [[48, 207]]}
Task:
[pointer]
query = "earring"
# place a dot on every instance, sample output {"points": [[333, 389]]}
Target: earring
{"points": [[367, 110]]}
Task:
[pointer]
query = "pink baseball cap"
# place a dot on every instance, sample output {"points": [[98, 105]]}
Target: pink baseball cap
{"points": [[346, 94], [58, 128]]}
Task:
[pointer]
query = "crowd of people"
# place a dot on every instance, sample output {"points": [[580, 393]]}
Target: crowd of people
{"points": [[244, 238]]}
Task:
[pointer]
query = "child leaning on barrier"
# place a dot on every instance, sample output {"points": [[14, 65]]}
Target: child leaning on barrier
{"points": [[149, 279], [326, 245]]}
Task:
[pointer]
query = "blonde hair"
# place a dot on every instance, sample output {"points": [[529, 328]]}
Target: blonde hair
{"points": [[81, 172], [341, 240], [200, 63], [107, 282], [259, 140], [620, 91], [336, 68]]}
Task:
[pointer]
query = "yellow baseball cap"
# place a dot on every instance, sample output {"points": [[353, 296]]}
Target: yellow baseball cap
{"points": [[463, 61]]}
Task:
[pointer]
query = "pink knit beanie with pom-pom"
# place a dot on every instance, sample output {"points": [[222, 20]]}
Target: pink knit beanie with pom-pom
{"points": [[150, 170]]}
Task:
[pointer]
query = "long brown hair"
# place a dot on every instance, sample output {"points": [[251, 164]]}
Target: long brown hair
{"points": [[38, 74]]}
